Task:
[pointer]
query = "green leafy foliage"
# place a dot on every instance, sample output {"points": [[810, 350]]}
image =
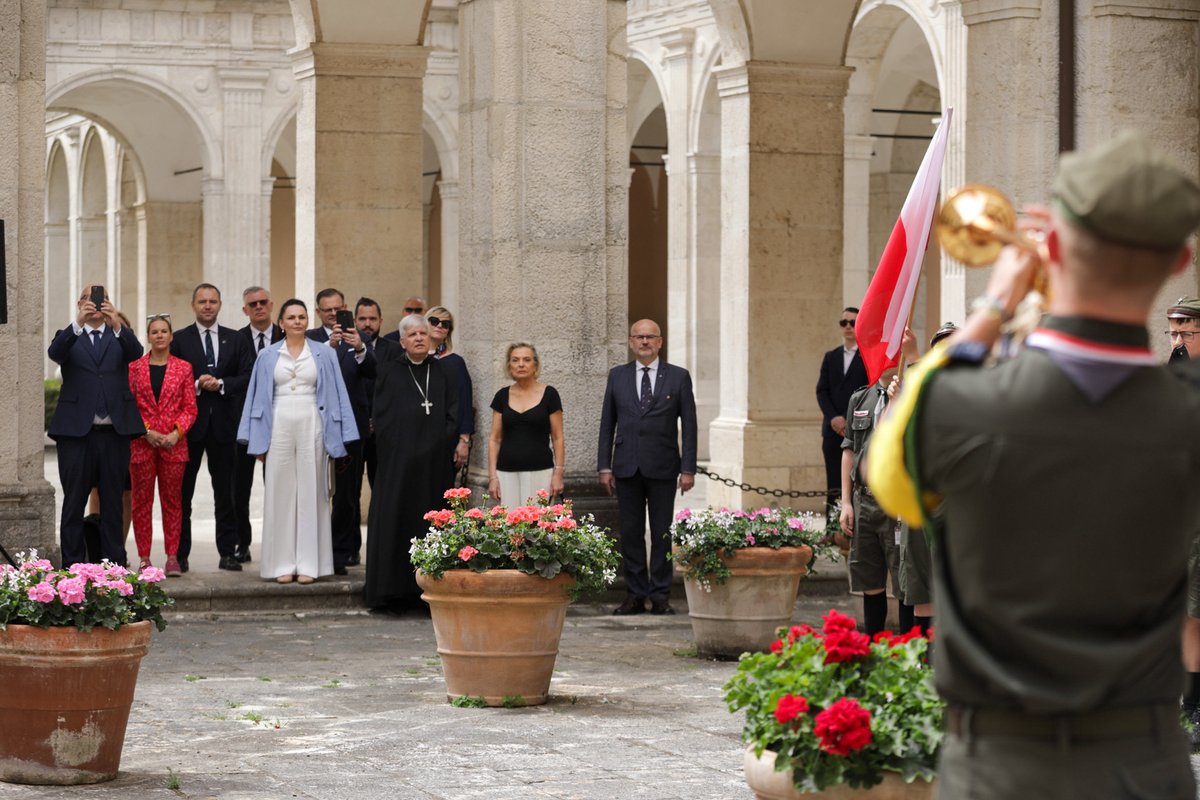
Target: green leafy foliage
{"points": [[513, 700], [784, 692], [537, 539], [468, 701], [84, 596], [702, 539]]}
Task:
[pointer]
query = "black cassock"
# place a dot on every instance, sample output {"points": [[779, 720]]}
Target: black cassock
{"points": [[414, 469]]}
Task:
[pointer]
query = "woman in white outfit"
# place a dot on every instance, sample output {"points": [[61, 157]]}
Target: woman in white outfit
{"points": [[298, 413]]}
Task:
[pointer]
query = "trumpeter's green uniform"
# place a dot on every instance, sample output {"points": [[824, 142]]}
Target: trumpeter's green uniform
{"points": [[1066, 478]]}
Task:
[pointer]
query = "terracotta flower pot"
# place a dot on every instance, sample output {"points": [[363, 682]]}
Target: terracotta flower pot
{"points": [[743, 613], [65, 701], [497, 632], [767, 784]]}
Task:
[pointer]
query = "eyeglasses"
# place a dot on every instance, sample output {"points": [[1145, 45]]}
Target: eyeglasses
{"points": [[257, 303], [413, 310], [153, 317], [1183, 336], [844, 322], [442, 323], [645, 337]]}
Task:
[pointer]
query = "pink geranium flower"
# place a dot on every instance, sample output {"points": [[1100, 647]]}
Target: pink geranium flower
{"points": [[474, 513], [467, 552], [71, 590], [120, 587], [151, 575], [42, 593], [89, 572]]}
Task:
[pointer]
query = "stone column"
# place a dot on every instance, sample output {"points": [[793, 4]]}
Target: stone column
{"points": [[954, 94], [26, 499], [543, 175], [1140, 72], [450, 284], [856, 240], [704, 267], [113, 156], [244, 247], [781, 271], [681, 284], [57, 255], [358, 170], [1011, 92]]}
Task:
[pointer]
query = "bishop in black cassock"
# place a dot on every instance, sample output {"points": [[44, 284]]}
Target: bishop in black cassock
{"points": [[415, 414]]}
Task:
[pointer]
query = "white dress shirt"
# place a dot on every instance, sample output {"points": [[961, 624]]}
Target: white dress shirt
{"points": [[847, 358]]}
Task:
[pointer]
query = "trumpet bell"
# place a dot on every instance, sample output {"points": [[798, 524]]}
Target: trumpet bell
{"points": [[974, 223]]}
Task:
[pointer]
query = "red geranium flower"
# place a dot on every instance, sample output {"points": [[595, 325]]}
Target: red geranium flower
{"points": [[836, 621], [845, 645], [789, 707], [843, 727], [777, 646], [882, 636], [800, 630]]}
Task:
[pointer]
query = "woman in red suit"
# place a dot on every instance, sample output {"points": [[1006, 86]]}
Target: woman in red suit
{"points": [[166, 397]]}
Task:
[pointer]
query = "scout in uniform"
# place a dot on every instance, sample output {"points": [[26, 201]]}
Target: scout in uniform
{"points": [[1183, 328], [1061, 672], [916, 561], [874, 536]]}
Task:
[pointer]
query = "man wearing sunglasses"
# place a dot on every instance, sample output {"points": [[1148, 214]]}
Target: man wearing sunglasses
{"points": [[260, 333], [1183, 329], [413, 305], [842, 374]]}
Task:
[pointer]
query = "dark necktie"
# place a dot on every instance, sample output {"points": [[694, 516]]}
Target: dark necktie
{"points": [[209, 356], [647, 392], [261, 341], [101, 406]]}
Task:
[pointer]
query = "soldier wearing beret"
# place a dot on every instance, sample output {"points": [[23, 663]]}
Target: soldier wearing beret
{"points": [[1061, 674]]}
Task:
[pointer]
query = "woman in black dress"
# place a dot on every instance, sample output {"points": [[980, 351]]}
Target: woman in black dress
{"points": [[441, 334], [526, 450]]}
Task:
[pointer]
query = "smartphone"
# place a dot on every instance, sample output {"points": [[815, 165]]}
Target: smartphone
{"points": [[345, 319], [97, 297]]}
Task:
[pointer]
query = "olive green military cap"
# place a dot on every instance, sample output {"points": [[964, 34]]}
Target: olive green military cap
{"points": [[1185, 308], [1126, 191]]}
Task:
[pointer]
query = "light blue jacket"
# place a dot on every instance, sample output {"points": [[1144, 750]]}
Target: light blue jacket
{"points": [[333, 402]]}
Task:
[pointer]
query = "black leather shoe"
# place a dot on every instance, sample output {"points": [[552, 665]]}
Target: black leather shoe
{"points": [[632, 605], [661, 607], [242, 555], [340, 571], [183, 565], [353, 561], [230, 563]]}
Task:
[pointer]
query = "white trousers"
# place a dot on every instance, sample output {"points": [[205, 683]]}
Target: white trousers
{"points": [[297, 535], [517, 487]]}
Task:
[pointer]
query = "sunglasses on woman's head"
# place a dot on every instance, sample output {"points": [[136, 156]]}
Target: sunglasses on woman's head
{"points": [[441, 323]]}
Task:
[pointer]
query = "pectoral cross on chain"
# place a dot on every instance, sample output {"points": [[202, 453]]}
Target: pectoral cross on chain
{"points": [[427, 405]]}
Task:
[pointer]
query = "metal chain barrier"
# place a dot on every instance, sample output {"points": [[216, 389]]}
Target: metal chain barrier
{"points": [[745, 487]]}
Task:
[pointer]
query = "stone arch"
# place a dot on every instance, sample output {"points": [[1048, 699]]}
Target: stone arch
{"points": [[153, 119], [58, 303], [357, 21], [276, 146], [442, 131], [643, 106], [783, 30], [702, 137], [898, 72]]}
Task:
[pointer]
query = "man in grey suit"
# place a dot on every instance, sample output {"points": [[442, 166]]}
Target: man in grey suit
{"points": [[646, 403]]}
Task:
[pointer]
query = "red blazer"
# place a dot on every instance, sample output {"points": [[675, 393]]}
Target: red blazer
{"points": [[176, 405]]}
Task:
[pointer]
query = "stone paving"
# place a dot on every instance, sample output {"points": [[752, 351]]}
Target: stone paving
{"points": [[353, 705]]}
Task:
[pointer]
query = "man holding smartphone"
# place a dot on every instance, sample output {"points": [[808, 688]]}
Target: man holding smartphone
{"points": [[94, 422], [358, 368]]}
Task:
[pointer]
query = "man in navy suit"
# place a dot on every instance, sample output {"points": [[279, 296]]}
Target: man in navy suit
{"points": [[95, 419], [646, 403], [842, 374], [221, 362], [358, 368], [259, 333]]}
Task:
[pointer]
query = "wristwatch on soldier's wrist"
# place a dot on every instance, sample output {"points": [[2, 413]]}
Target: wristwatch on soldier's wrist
{"points": [[993, 305]]}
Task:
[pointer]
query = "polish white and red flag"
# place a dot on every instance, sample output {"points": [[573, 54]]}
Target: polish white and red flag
{"points": [[884, 312]]}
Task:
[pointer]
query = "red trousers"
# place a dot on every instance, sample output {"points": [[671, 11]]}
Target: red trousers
{"points": [[170, 496]]}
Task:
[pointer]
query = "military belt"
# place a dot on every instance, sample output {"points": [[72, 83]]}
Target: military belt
{"points": [[1116, 723]]}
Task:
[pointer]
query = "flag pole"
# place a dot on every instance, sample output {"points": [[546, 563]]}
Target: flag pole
{"points": [[908, 325]]}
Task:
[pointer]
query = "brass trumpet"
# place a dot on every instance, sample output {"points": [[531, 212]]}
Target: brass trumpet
{"points": [[974, 224]]}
